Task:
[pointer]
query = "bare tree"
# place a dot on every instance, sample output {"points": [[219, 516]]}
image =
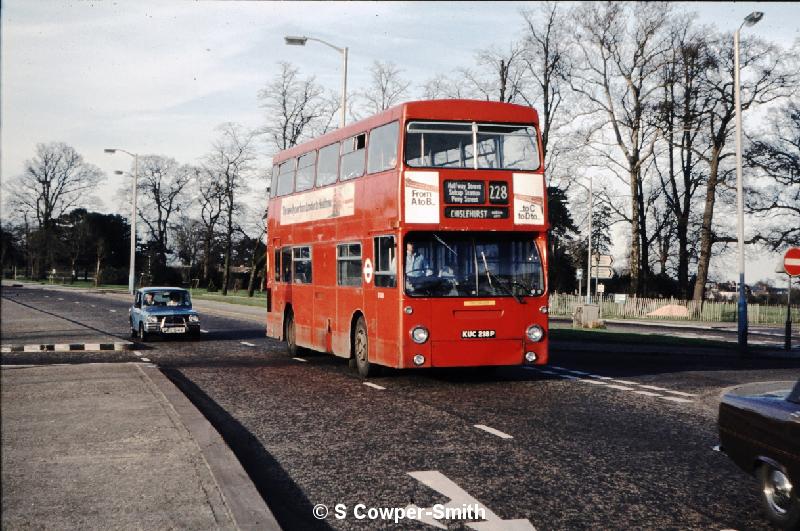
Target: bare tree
{"points": [[765, 78], [386, 87], [230, 161], [777, 159], [546, 57], [500, 75], [55, 180], [621, 49], [210, 199], [443, 87], [292, 106], [161, 184]]}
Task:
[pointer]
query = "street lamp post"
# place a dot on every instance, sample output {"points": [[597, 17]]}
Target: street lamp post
{"points": [[749, 20], [301, 41], [132, 269]]}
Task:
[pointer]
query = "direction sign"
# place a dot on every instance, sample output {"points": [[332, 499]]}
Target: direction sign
{"points": [[579, 273], [791, 261], [602, 260], [602, 272]]}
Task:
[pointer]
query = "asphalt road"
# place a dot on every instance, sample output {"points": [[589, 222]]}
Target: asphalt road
{"points": [[613, 440]]}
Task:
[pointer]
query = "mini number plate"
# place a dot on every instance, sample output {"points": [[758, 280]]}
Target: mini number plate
{"points": [[174, 330], [478, 334]]}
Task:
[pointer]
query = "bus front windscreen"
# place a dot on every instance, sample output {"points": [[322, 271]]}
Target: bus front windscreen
{"points": [[452, 145], [476, 264]]}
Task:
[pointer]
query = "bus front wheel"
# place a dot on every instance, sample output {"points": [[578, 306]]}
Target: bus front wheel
{"points": [[361, 350], [290, 335]]}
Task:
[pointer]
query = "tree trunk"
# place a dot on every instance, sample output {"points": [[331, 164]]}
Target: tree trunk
{"points": [[706, 229], [97, 272], [228, 249], [635, 237]]}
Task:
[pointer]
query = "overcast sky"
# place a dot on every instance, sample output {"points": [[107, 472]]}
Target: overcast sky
{"points": [[158, 77]]}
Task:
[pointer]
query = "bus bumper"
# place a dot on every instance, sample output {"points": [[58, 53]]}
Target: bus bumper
{"points": [[476, 353]]}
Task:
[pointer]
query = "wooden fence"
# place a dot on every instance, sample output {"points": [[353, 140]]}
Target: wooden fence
{"points": [[563, 305]]}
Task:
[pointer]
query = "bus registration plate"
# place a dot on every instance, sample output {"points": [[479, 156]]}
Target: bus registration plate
{"points": [[478, 334]]}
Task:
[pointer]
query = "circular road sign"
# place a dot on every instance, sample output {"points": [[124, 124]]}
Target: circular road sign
{"points": [[368, 270], [791, 261]]}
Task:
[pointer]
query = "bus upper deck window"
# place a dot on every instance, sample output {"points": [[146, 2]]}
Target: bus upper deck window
{"points": [[305, 172], [286, 178], [353, 157], [382, 149], [328, 165]]}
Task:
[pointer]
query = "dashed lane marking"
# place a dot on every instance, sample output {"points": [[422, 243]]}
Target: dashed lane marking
{"points": [[61, 298], [113, 311], [76, 302], [203, 331], [633, 387], [92, 305], [375, 386], [136, 352], [245, 343], [620, 387], [300, 359], [146, 359], [676, 399], [493, 431]]}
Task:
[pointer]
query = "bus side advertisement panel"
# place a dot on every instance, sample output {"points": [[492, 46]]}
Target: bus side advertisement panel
{"points": [[325, 203], [421, 196]]}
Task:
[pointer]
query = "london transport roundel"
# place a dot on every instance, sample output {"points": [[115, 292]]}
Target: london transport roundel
{"points": [[368, 271], [791, 261]]}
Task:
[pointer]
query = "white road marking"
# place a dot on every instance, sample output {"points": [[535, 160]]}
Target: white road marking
{"points": [[620, 387], [113, 311], [626, 382], [247, 344], [556, 367], [60, 298], [676, 399], [374, 386], [136, 352], [459, 498], [203, 331], [76, 302], [665, 390], [91, 346], [593, 382], [93, 306], [647, 393], [300, 359], [493, 431], [145, 359]]}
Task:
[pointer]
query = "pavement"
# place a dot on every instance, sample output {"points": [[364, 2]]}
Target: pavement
{"points": [[116, 445]]}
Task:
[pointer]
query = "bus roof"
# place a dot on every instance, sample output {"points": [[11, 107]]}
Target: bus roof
{"points": [[473, 110]]}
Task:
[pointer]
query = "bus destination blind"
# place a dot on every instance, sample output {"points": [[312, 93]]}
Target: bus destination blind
{"points": [[464, 192], [476, 212]]}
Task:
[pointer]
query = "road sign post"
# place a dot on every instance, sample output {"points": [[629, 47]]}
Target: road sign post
{"points": [[791, 265]]}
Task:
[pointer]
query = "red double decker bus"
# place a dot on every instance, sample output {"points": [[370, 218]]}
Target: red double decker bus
{"points": [[414, 238]]}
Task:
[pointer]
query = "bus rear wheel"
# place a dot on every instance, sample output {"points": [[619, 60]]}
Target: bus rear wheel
{"points": [[363, 366], [291, 335]]}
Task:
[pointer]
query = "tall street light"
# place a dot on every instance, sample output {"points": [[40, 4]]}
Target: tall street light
{"points": [[301, 41], [132, 270], [750, 20]]}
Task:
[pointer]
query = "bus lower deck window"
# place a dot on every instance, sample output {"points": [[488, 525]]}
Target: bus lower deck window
{"points": [[385, 262], [348, 264]]}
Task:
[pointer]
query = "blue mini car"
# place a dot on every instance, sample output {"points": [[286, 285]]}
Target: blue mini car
{"points": [[165, 311]]}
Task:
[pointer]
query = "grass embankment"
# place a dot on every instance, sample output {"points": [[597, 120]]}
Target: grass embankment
{"points": [[258, 299]]}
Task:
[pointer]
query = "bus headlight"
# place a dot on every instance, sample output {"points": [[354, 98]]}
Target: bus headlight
{"points": [[535, 333], [419, 334]]}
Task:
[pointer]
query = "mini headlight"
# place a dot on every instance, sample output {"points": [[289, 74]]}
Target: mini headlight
{"points": [[535, 333], [419, 334], [419, 359], [152, 319], [194, 319]]}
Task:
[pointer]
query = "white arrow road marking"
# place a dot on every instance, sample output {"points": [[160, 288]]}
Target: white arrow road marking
{"points": [[493, 431], [375, 386], [247, 344], [461, 499]]}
